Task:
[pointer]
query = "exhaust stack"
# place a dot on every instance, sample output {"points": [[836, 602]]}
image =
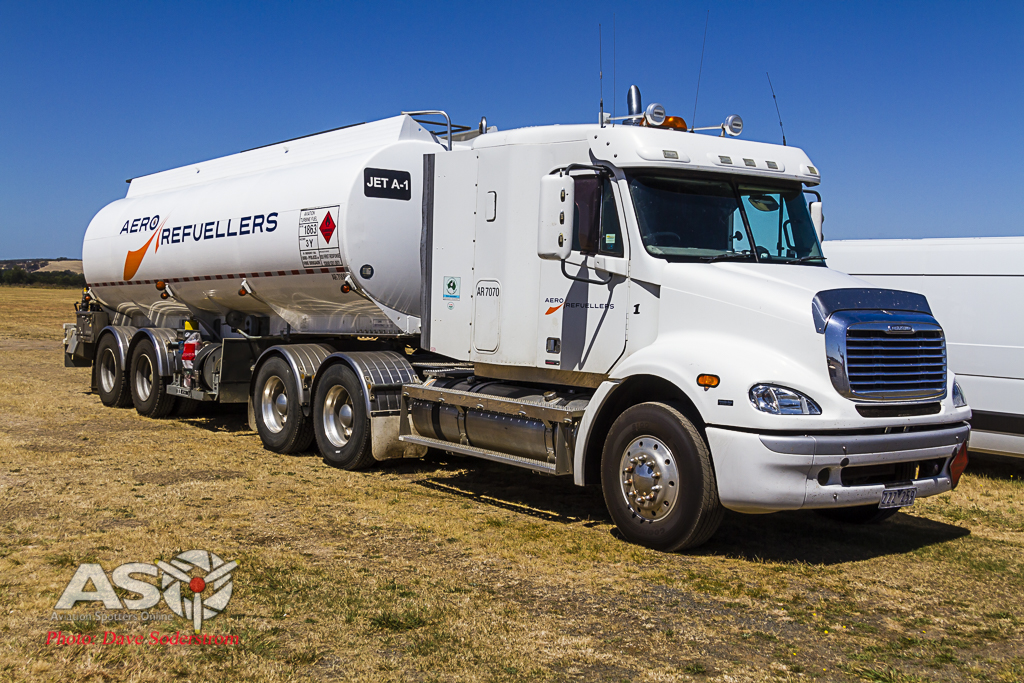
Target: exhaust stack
{"points": [[633, 104]]}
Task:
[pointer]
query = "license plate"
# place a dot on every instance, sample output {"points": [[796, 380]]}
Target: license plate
{"points": [[898, 498]]}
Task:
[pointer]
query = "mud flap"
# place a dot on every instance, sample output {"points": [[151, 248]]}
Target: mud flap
{"points": [[384, 440]]}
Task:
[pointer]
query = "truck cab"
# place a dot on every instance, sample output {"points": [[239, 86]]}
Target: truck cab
{"points": [[655, 266]]}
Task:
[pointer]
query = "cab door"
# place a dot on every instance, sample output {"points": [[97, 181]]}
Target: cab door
{"points": [[585, 299]]}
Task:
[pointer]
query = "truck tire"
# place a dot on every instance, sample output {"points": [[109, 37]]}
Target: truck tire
{"points": [[109, 377], [279, 420], [653, 445], [340, 420], [859, 514], [149, 392]]}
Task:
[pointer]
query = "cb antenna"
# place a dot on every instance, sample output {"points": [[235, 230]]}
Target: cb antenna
{"points": [[776, 108], [615, 86], [693, 120], [600, 71]]}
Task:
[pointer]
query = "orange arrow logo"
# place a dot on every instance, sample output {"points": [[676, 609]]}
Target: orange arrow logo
{"points": [[133, 260], [554, 308]]}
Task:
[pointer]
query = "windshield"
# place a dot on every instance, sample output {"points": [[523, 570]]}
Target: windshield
{"points": [[693, 219]]}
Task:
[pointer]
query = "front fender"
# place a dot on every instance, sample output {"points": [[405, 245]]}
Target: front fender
{"points": [[739, 362]]}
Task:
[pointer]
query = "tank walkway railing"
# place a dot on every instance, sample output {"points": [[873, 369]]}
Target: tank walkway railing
{"points": [[447, 125]]}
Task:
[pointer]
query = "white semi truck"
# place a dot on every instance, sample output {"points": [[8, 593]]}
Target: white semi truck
{"points": [[635, 306]]}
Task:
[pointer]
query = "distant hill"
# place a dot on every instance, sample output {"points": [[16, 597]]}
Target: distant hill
{"points": [[60, 272], [43, 265]]}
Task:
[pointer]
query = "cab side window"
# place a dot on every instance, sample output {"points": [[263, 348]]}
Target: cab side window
{"points": [[595, 221], [610, 241], [587, 213]]}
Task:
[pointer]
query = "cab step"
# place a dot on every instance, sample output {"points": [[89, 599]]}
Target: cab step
{"points": [[494, 456]]}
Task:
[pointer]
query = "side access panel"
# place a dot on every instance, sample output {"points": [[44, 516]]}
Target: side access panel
{"points": [[450, 275]]}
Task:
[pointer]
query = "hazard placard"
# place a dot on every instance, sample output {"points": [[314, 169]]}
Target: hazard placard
{"points": [[317, 229]]}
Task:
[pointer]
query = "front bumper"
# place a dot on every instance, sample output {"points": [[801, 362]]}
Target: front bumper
{"points": [[760, 473]]}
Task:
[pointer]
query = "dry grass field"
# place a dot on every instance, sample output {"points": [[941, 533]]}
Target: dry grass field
{"points": [[453, 570]]}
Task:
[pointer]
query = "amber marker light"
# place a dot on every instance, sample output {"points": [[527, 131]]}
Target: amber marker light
{"points": [[346, 288], [164, 295], [161, 285], [241, 291], [674, 122], [708, 381]]}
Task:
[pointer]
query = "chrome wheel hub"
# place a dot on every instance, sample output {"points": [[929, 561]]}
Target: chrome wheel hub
{"points": [[108, 370], [274, 404], [649, 478], [339, 415], [143, 378]]}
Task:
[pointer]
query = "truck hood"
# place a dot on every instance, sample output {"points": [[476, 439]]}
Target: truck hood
{"points": [[774, 290]]}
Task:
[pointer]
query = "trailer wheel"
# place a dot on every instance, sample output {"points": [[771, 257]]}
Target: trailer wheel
{"points": [[340, 420], [109, 377], [149, 392], [659, 484], [279, 419], [858, 514]]}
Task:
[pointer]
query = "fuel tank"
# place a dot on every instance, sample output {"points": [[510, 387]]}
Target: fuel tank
{"points": [[504, 433], [278, 231]]}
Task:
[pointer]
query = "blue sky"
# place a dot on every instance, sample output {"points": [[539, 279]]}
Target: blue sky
{"points": [[912, 111]]}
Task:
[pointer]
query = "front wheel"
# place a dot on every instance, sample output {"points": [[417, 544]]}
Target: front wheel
{"points": [[659, 484]]}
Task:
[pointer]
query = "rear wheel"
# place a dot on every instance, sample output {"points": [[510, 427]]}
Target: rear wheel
{"points": [[109, 377], [149, 392], [340, 420], [658, 481], [859, 514], [278, 411]]}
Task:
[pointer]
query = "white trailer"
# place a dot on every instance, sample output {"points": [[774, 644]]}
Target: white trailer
{"points": [[973, 285], [635, 306]]}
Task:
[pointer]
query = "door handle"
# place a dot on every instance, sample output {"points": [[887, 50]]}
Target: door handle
{"points": [[611, 264]]}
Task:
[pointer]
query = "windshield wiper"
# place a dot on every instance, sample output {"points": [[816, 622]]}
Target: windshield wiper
{"points": [[745, 255], [805, 259]]}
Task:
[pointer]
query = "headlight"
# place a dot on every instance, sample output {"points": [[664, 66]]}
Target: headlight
{"points": [[959, 400], [769, 398]]}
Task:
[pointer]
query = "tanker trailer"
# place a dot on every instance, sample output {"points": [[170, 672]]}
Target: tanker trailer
{"points": [[626, 304]]}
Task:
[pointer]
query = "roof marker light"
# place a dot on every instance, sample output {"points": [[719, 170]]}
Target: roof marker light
{"points": [[674, 122]]}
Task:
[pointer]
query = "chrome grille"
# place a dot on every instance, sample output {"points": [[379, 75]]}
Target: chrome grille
{"points": [[880, 364], [880, 356]]}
